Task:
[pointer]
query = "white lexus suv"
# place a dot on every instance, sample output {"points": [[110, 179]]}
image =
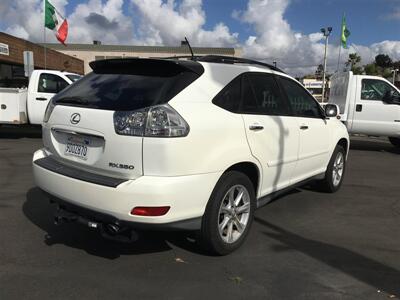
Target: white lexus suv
{"points": [[185, 144]]}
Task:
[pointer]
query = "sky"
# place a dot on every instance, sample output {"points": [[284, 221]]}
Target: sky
{"points": [[286, 31]]}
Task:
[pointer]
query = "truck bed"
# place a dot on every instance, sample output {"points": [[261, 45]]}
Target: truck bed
{"points": [[13, 106]]}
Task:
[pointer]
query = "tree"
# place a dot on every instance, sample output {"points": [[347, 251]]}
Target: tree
{"points": [[396, 64], [353, 61], [383, 61], [371, 69]]}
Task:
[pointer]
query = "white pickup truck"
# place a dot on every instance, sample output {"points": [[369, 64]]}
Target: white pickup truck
{"points": [[368, 105], [27, 105]]}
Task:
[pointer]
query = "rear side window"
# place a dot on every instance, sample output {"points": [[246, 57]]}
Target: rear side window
{"points": [[50, 83], [73, 77], [302, 104], [229, 97], [127, 87], [261, 95], [252, 93]]}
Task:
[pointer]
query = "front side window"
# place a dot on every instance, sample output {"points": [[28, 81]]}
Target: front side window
{"points": [[50, 83], [302, 103], [261, 95], [375, 89]]}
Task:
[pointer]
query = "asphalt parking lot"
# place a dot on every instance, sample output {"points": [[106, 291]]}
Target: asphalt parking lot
{"points": [[304, 245]]}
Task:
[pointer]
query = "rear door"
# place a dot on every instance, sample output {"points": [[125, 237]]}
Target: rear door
{"points": [[314, 139], [272, 134], [97, 124], [371, 115], [45, 88]]}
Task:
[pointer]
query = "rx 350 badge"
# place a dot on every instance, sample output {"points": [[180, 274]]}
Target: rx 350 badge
{"points": [[120, 166]]}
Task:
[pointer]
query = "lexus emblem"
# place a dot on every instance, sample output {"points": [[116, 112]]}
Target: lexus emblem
{"points": [[75, 118]]}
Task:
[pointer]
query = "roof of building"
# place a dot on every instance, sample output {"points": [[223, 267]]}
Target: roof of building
{"points": [[147, 49]]}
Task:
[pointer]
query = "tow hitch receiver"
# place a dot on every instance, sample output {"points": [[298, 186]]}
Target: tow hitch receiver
{"points": [[63, 216], [112, 231]]}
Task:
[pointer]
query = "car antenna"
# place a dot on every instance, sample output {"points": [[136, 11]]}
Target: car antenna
{"points": [[190, 47]]}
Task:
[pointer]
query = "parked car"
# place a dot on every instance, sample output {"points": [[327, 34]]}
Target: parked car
{"points": [[184, 144], [27, 105], [368, 105]]}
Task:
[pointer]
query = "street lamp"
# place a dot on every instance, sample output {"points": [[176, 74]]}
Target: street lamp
{"points": [[394, 74], [326, 32]]}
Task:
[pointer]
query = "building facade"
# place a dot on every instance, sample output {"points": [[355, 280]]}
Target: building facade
{"points": [[314, 86], [12, 60], [96, 51]]}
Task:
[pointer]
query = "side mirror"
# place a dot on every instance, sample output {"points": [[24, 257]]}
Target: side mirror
{"points": [[331, 110], [391, 97]]}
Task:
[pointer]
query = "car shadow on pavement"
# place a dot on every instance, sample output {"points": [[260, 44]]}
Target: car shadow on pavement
{"points": [[373, 145], [11, 132], [362, 268], [40, 212]]}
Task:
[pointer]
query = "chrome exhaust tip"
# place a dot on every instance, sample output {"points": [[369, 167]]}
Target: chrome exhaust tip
{"points": [[113, 228]]}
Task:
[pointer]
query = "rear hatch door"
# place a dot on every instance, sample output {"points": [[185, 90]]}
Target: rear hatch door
{"points": [[80, 129]]}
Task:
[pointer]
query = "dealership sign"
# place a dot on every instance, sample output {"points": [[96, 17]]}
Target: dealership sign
{"points": [[4, 49], [314, 84]]}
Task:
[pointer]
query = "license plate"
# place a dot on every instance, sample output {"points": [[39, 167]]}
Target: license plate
{"points": [[77, 146]]}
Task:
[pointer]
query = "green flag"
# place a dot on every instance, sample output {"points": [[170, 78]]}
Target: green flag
{"points": [[50, 21], [345, 32]]}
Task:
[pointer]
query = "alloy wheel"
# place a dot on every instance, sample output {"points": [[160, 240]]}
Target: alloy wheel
{"points": [[338, 168], [234, 212]]}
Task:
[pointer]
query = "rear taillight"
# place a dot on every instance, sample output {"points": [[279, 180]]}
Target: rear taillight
{"points": [[152, 211], [155, 121], [49, 110]]}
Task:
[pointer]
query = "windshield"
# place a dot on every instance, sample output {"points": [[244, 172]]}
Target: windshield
{"points": [[73, 77], [124, 91]]}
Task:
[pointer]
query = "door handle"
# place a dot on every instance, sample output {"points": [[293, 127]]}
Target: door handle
{"points": [[359, 107], [303, 127], [41, 99], [256, 127]]}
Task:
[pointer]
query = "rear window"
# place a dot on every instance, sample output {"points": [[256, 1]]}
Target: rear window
{"points": [[124, 88]]}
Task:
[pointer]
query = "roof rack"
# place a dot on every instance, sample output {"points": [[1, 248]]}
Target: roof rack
{"points": [[225, 60], [195, 57], [233, 60]]}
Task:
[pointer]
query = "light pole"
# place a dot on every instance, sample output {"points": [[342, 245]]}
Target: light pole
{"points": [[394, 74], [326, 32]]}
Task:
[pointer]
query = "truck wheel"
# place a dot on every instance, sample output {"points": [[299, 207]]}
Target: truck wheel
{"points": [[229, 214], [335, 172], [395, 141]]}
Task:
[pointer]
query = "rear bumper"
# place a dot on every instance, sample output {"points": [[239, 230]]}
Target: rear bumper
{"points": [[186, 195], [85, 216]]}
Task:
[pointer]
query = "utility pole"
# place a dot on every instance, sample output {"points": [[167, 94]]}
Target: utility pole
{"points": [[326, 32], [394, 74]]}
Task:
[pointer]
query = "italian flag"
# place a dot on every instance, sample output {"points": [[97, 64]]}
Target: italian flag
{"points": [[55, 21]]}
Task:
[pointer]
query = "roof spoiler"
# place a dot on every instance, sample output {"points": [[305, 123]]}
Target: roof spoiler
{"points": [[146, 66]]}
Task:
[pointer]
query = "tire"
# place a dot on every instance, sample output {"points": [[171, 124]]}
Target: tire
{"points": [[335, 172], [219, 213], [395, 141]]}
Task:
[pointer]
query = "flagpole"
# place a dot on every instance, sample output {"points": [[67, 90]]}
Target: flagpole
{"points": [[340, 43], [44, 34], [338, 61]]}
